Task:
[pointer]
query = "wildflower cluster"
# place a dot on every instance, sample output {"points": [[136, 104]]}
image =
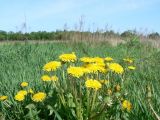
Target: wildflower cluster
{"points": [[28, 93], [82, 88]]}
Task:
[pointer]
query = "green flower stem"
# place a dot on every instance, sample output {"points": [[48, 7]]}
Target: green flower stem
{"points": [[63, 74], [79, 112], [62, 100], [99, 113], [108, 78], [78, 106], [60, 94], [122, 80], [97, 75], [64, 80], [93, 102], [80, 91], [88, 103], [75, 96]]}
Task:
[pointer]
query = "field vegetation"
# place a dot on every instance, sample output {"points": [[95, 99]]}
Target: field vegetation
{"points": [[85, 80], [63, 35]]}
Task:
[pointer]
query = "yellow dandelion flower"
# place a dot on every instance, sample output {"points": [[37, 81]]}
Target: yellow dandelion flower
{"points": [[128, 60], [54, 78], [75, 71], [89, 83], [22, 92], [3, 98], [108, 59], [30, 91], [39, 97], [95, 84], [19, 97], [98, 60], [126, 105], [85, 70], [46, 78], [24, 84], [101, 64], [52, 66], [117, 68], [87, 59], [68, 57], [94, 68], [131, 67]]}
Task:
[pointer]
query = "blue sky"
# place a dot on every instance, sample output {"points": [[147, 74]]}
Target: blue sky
{"points": [[50, 15]]}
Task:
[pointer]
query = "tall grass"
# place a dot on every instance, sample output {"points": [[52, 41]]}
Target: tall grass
{"points": [[24, 62]]}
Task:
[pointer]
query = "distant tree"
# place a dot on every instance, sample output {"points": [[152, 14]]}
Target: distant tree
{"points": [[154, 35], [129, 34], [3, 35], [72, 35]]}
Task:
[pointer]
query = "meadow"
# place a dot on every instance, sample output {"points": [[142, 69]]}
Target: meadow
{"points": [[25, 63]]}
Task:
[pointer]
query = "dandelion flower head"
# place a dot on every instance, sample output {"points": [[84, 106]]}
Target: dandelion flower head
{"points": [[24, 84], [52, 66], [39, 97], [3, 98], [117, 68], [68, 57]]}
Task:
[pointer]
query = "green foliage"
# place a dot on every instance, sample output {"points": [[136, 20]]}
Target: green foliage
{"points": [[129, 34], [24, 62], [134, 42], [3, 35], [32, 113]]}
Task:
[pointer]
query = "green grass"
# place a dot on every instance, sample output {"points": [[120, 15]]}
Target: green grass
{"points": [[24, 62]]}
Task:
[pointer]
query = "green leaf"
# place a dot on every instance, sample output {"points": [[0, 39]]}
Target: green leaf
{"points": [[51, 110], [30, 106], [33, 113], [73, 112], [70, 100], [2, 117], [55, 112], [108, 101], [117, 94]]}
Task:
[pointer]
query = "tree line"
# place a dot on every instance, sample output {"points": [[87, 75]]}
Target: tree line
{"points": [[72, 35]]}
